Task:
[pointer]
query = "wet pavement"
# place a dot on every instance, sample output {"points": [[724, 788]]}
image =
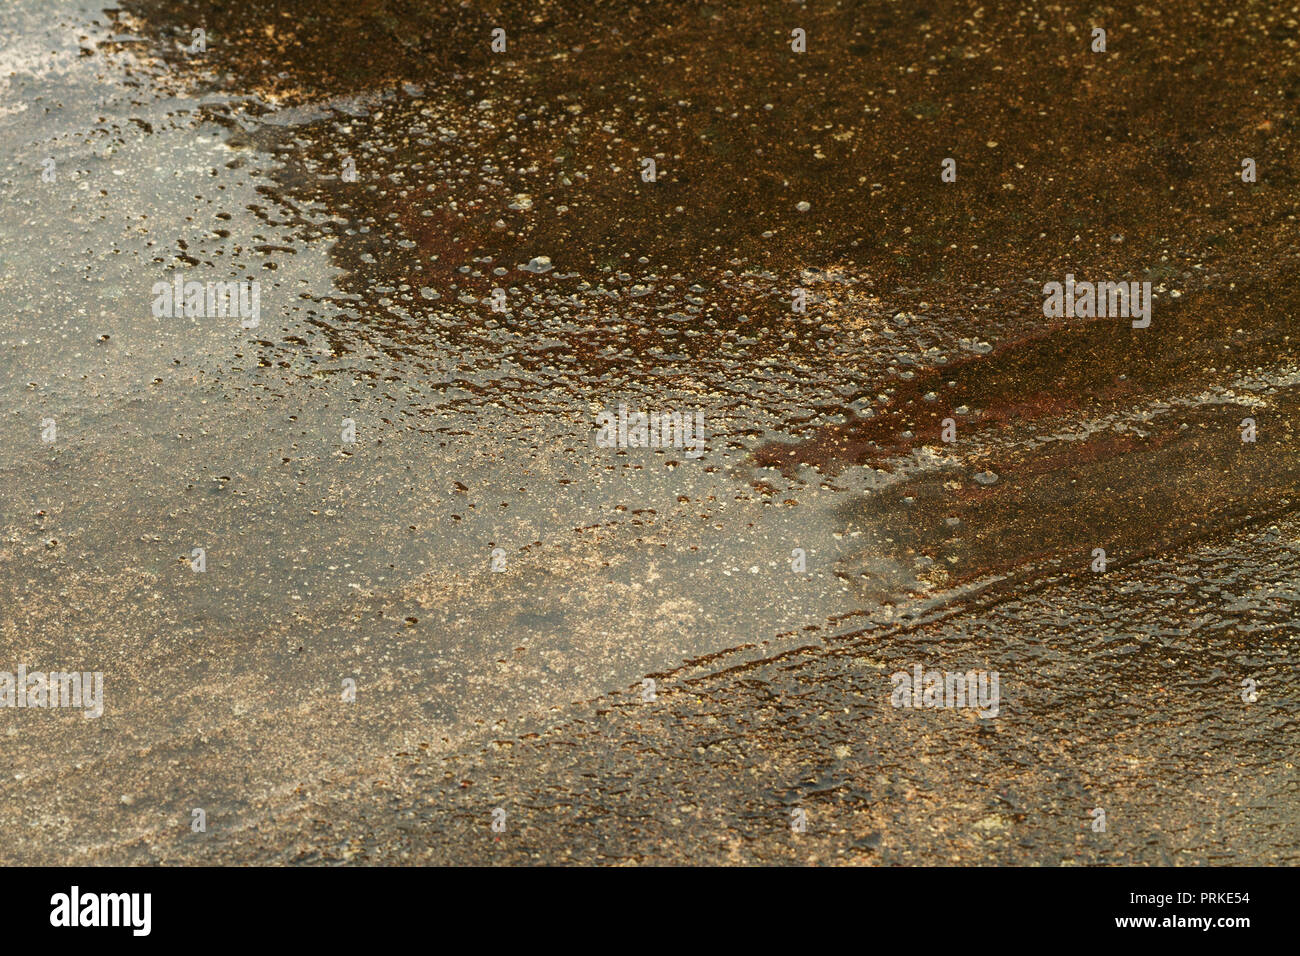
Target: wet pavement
{"points": [[826, 538]]}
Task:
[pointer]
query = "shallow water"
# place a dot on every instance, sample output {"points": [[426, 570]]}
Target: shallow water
{"points": [[476, 429]]}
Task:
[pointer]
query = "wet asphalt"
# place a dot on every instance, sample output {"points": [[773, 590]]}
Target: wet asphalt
{"points": [[633, 654]]}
